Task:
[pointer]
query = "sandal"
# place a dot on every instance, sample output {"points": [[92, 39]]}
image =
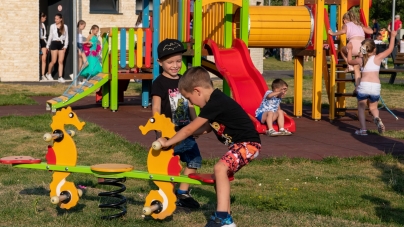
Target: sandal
{"points": [[379, 124], [284, 132], [272, 132], [361, 132]]}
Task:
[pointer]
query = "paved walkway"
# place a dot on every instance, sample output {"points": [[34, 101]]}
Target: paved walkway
{"points": [[313, 139]]}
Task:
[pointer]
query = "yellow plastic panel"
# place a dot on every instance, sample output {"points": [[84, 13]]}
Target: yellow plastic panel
{"points": [[112, 168], [213, 23], [169, 20], [139, 48], [278, 26]]}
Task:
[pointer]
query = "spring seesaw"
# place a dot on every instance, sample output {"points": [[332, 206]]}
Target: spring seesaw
{"points": [[163, 168]]}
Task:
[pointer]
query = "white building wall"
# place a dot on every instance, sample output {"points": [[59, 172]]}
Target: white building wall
{"points": [[126, 18], [19, 46], [19, 40]]}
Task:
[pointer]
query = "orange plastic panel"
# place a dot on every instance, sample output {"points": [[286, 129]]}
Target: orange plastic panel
{"points": [[112, 168]]}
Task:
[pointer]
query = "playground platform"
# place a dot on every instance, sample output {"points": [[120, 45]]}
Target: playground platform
{"points": [[313, 139]]}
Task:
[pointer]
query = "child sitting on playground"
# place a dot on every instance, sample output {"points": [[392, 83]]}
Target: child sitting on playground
{"points": [[167, 100], [369, 87], [92, 50], [232, 127], [270, 110], [355, 33]]}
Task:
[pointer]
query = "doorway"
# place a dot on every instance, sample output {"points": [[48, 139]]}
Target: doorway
{"points": [[64, 7]]}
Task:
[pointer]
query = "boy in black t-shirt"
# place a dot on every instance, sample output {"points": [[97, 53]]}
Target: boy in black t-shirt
{"points": [[232, 126], [167, 100]]}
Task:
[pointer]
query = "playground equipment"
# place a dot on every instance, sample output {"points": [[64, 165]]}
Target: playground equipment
{"points": [[247, 84], [163, 169], [301, 27]]}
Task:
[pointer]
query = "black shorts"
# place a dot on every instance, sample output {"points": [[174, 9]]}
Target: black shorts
{"points": [[42, 43], [56, 45]]}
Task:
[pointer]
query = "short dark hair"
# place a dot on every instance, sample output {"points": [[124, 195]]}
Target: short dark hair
{"points": [[278, 83], [194, 77], [80, 23]]}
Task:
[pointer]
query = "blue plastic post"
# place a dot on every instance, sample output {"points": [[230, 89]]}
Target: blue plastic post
{"points": [[333, 18], [146, 83], [122, 57]]}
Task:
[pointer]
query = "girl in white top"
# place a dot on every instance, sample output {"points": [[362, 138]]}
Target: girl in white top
{"points": [[369, 87], [57, 43], [81, 40], [42, 43]]}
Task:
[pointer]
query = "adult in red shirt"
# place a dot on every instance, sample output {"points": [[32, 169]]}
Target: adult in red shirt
{"points": [[397, 27]]}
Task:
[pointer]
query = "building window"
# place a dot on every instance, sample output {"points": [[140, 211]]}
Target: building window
{"points": [[104, 6]]}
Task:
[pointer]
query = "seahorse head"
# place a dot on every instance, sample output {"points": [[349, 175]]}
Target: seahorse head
{"points": [[159, 122], [66, 116]]}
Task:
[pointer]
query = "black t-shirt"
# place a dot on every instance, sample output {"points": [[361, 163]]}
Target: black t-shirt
{"points": [[173, 104], [229, 121]]}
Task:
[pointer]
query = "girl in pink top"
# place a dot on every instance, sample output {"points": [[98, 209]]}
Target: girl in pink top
{"points": [[355, 33], [369, 86]]}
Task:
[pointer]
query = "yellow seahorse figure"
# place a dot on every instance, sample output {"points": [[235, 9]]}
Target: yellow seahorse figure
{"points": [[63, 152], [162, 162]]}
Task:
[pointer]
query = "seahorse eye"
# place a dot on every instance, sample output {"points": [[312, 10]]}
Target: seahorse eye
{"points": [[152, 120], [71, 114]]}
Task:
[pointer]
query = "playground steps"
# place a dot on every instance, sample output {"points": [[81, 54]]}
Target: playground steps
{"points": [[340, 78], [75, 93], [344, 95], [344, 80]]}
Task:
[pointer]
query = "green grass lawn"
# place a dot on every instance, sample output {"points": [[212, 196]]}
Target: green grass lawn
{"points": [[363, 191]]}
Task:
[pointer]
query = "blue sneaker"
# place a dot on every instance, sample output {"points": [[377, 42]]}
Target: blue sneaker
{"points": [[218, 222]]}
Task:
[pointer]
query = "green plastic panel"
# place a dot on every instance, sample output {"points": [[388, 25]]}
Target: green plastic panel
{"points": [[132, 174]]}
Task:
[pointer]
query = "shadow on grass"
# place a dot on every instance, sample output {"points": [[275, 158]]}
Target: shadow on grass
{"points": [[385, 211], [35, 191]]}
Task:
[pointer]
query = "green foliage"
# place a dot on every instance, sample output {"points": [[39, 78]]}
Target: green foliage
{"points": [[382, 11]]}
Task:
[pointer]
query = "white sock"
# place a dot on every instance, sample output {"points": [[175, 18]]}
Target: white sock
{"points": [[281, 129]]}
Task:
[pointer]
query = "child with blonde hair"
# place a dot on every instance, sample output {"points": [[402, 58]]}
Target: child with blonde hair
{"points": [[355, 33], [369, 86]]}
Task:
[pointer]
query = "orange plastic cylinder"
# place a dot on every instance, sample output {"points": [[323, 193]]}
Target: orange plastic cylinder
{"points": [[278, 26]]}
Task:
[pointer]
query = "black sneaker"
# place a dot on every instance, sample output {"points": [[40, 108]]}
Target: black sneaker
{"points": [[214, 221], [186, 200]]}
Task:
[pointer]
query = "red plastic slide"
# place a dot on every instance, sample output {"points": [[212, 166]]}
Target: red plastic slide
{"points": [[246, 82]]}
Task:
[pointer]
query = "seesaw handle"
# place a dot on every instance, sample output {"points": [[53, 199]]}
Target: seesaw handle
{"points": [[59, 199], [155, 207], [53, 136], [156, 145]]}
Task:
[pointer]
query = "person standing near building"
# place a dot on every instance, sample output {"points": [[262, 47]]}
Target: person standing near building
{"points": [[57, 43], [375, 28], [397, 26], [42, 44]]}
